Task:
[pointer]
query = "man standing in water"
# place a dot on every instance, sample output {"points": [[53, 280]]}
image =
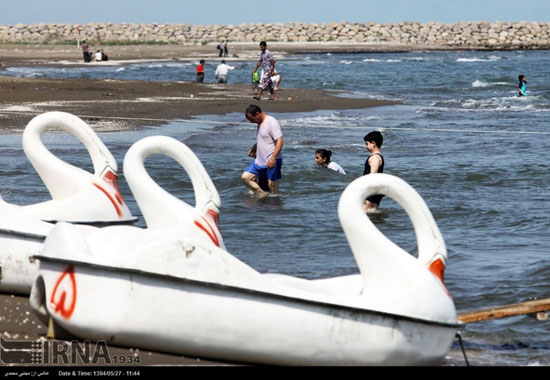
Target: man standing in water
{"points": [[268, 65], [268, 152]]}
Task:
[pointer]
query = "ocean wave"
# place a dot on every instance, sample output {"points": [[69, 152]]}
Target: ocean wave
{"points": [[496, 104], [491, 58], [479, 83], [390, 60], [346, 62], [332, 121]]}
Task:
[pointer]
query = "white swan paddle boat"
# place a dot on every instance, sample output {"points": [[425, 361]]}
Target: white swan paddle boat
{"points": [[174, 288], [76, 196]]}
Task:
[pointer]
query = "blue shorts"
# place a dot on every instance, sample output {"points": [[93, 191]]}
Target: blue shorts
{"points": [[273, 174]]}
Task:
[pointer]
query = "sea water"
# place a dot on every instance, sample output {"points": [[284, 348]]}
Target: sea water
{"points": [[476, 153]]}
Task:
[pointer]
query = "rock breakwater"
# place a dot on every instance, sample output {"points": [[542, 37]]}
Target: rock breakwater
{"points": [[475, 35]]}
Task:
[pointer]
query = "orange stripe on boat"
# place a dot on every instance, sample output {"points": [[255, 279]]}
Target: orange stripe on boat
{"points": [[113, 201], [113, 179], [438, 268], [211, 234]]}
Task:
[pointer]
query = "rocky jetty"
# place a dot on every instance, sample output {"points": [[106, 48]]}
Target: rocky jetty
{"points": [[463, 35]]}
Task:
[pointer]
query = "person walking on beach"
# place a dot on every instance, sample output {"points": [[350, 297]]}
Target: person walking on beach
{"points": [[268, 64], [200, 72], [522, 88], [373, 164], [222, 70], [268, 151]]}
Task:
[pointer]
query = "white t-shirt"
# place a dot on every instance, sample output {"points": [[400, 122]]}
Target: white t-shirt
{"points": [[266, 136], [222, 69], [337, 168]]}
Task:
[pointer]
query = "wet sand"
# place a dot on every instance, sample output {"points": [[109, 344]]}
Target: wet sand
{"points": [[118, 105]]}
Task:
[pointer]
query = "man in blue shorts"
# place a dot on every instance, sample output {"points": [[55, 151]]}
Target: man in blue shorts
{"points": [[268, 152]]}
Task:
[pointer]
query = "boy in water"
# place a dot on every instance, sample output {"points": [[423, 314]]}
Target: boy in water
{"points": [[200, 72], [374, 164], [522, 88]]}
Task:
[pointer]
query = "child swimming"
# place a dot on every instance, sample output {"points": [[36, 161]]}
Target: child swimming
{"points": [[522, 91], [322, 158]]}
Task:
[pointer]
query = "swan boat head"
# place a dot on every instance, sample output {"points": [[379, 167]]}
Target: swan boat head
{"points": [[411, 286], [77, 195], [162, 210]]}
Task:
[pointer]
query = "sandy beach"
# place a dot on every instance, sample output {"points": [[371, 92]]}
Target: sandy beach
{"points": [[109, 105], [117, 105]]}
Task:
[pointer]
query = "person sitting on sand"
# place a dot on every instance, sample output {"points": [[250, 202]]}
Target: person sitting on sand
{"points": [[373, 164], [98, 56], [322, 158]]}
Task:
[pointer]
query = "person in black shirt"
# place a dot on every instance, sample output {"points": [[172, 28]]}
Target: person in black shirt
{"points": [[374, 164]]}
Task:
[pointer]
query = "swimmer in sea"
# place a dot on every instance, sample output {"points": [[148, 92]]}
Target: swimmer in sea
{"points": [[322, 158], [522, 90]]}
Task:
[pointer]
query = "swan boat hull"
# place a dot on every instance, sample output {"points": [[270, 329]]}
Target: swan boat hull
{"points": [[135, 308], [18, 267]]}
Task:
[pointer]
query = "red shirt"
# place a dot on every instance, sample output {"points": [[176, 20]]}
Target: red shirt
{"points": [[200, 68]]}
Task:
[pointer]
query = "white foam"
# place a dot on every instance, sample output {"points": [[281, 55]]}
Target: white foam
{"points": [[479, 83], [491, 58]]}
